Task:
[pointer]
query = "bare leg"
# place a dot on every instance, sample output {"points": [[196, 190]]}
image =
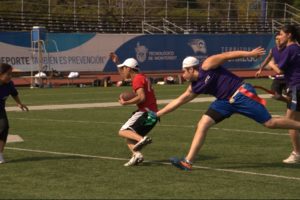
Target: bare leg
{"points": [[137, 157], [130, 135], [294, 134], [282, 123], [130, 144], [203, 125], [2, 144]]}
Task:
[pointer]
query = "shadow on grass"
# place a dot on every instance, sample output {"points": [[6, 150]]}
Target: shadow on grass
{"points": [[38, 159], [167, 161]]}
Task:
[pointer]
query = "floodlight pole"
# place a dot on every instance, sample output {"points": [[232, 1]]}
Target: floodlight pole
{"points": [[247, 13], [187, 12], [74, 12], [208, 11], [98, 11], [229, 10], [166, 10], [122, 15], [22, 11], [49, 9], [144, 10]]}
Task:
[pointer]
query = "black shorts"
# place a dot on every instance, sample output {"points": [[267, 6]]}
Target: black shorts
{"points": [[294, 104], [136, 123], [3, 126], [279, 86]]}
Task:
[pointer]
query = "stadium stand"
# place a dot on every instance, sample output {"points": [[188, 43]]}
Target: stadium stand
{"points": [[150, 23], [141, 20]]}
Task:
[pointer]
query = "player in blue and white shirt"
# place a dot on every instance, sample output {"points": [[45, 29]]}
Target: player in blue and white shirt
{"points": [[6, 88], [233, 96]]}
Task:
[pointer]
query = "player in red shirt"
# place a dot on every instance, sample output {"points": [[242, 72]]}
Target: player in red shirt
{"points": [[137, 127]]}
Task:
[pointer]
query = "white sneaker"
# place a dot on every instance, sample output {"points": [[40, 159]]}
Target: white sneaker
{"points": [[1, 159], [143, 142], [136, 159], [293, 158]]}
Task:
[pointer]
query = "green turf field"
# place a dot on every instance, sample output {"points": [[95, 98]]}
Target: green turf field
{"points": [[77, 154]]}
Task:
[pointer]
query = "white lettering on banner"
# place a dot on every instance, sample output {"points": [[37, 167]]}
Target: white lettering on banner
{"points": [[162, 55], [249, 59], [15, 60], [225, 49], [142, 51], [74, 60]]}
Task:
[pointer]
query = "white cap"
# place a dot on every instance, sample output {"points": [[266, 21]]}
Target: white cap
{"points": [[190, 61], [130, 62]]}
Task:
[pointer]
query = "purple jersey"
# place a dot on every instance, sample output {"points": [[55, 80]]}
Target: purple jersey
{"points": [[276, 54], [5, 91], [218, 82], [290, 64]]}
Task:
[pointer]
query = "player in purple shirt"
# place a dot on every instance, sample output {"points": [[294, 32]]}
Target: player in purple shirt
{"points": [[233, 96], [279, 84], [289, 65], [6, 88]]}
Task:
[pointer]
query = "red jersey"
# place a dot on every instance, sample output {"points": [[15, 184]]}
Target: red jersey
{"points": [[141, 81]]}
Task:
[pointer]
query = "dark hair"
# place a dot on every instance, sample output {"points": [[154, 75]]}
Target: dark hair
{"points": [[4, 68], [293, 30]]}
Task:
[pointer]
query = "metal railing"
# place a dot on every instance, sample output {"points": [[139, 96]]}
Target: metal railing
{"points": [[172, 27], [130, 16], [149, 29]]}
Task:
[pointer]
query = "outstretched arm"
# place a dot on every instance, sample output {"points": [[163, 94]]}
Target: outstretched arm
{"points": [[20, 104], [215, 61], [187, 96], [264, 64], [114, 57], [275, 67]]}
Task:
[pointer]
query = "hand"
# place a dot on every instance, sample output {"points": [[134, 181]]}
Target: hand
{"points": [[114, 57], [121, 101], [23, 107], [258, 52], [151, 118], [257, 74]]}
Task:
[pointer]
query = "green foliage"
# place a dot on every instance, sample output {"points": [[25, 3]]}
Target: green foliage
{"points": [[136, 7]]}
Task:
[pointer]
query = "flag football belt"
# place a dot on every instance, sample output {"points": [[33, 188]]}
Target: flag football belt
{"points": [[249, 94], [264, 89]]}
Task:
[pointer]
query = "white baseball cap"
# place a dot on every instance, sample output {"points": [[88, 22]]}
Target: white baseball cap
{"points": [[190, 61], [130, 62]]}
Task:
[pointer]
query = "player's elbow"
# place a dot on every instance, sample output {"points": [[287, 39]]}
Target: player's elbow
{"points": [[141, 98]]}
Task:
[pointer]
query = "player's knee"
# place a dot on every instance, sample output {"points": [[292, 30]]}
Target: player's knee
{"points": [[271, 123], [121, 134]]}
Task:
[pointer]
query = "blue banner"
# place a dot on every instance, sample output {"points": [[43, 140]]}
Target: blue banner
{"points": [[166, 52], [90, 51]]}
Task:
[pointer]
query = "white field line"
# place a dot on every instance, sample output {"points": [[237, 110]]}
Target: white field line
{"points": [[163, 163], [106, 104], [162, 125]]}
